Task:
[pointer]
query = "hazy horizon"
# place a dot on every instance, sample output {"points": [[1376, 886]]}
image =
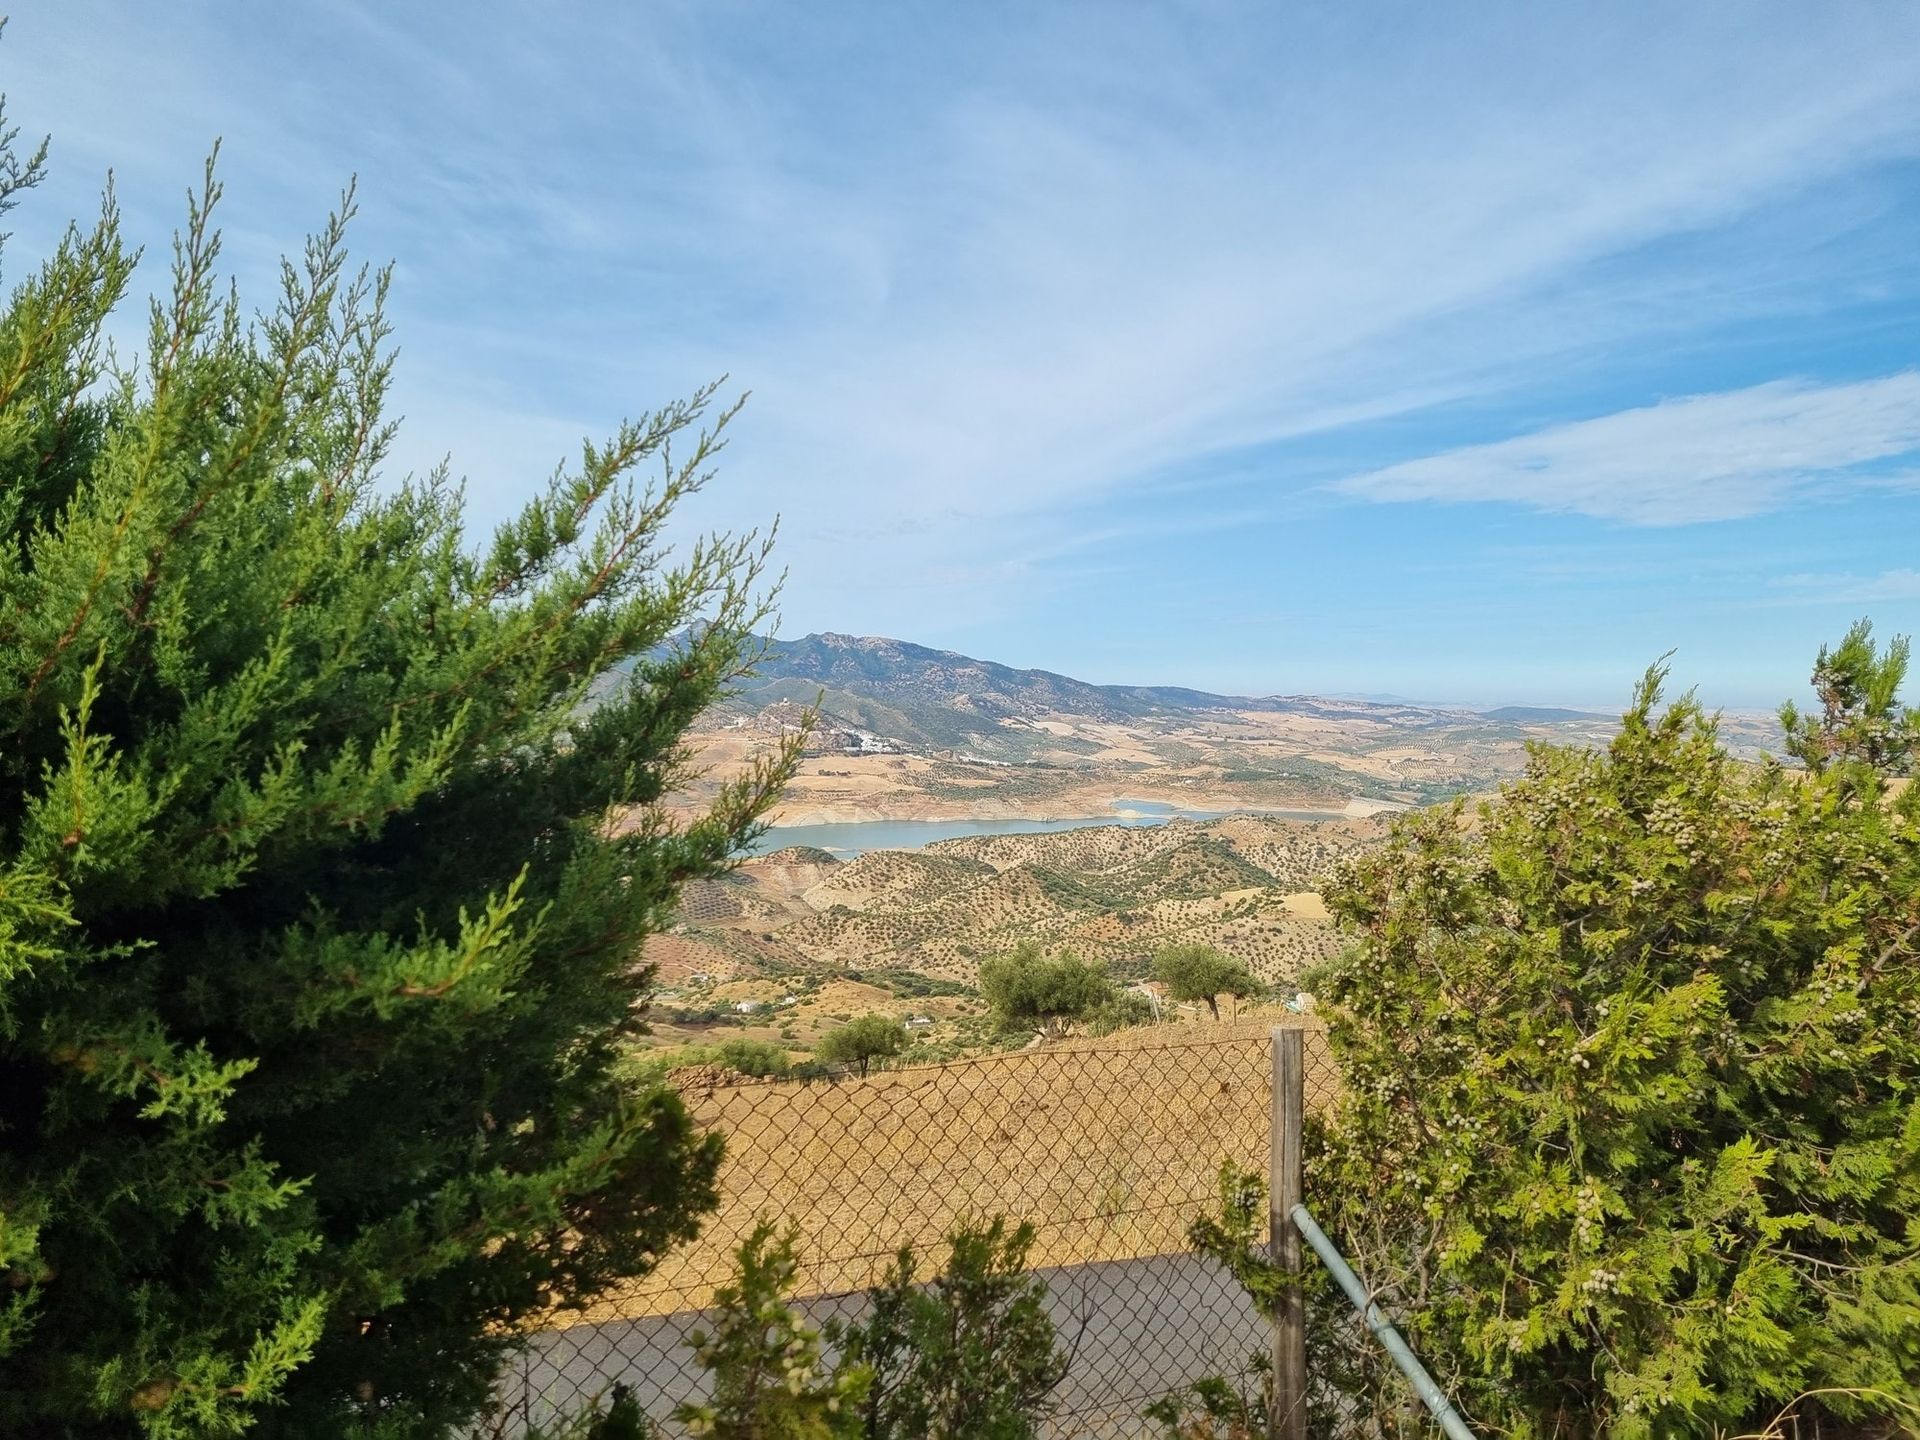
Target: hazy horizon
{"points": [[1676, 685]]}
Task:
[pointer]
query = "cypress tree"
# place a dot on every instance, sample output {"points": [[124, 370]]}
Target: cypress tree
{"points": [[321, 889]]}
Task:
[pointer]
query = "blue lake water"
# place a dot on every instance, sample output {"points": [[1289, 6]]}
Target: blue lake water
{"points": [[858, 837]]}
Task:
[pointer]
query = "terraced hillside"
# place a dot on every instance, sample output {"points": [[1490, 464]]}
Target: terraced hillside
{"points": [[779, 942]]}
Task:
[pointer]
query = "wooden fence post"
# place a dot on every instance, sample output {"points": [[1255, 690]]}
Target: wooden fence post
{"points": [[1288, 1420]]}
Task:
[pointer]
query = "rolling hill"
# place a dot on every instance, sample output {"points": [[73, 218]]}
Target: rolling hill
{"points": [[788, 934]]}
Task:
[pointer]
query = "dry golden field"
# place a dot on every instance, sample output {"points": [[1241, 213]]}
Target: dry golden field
{"points": [[1110, 1147]]}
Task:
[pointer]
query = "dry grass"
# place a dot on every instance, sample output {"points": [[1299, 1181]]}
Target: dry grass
{"points": [[1110, 1147]]}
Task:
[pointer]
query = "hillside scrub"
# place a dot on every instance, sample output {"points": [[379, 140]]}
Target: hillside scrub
{"points": [[317, 947], [750, 1059], [919, 923], [1629, 1140], [1121, 1010]]}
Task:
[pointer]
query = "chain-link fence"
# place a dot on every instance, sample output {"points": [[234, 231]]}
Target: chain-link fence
{"points": [[1109, 1148]]}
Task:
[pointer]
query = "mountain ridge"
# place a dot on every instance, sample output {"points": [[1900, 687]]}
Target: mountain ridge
{"points": [[883, 668]]}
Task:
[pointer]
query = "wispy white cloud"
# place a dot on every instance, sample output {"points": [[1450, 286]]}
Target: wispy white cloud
{"points": [[1704, 457], [986, 269], [1815, 589]]}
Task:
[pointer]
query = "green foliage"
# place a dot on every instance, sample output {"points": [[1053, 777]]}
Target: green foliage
{"points": [[1121, 1010], [757, 1058], [1861, 721], [968, 1355], [863, 1040], [769, 1382], [317, 948], [1200, 972], [1629, 1140], [716, 1013], [912, 984], [1028, 989], [1211, 1408], [1070, 891], [1351, 1383], [1198, 868], [619, 1419], [1235, 1235]]}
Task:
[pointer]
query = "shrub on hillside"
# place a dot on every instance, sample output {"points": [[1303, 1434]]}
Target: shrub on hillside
{"points": [[863, 1040], [1028, 989], [911, 984], [1121, 1010], [1629, 1139], [755, 1059], [1130, 967], [1195, 972], [715, 1013], [317, 948]]}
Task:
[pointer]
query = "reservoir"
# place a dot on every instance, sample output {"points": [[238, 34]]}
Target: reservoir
{"points": [[857, 837]]}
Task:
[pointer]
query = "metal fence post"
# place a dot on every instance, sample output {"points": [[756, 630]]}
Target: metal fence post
{"points": [[1288, 1418]]}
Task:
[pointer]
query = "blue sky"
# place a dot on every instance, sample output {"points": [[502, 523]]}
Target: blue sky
{"points": [[1477, 352]]}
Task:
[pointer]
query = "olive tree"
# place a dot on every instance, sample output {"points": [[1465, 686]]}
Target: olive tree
{"points": [[1029, 989], [1194, 972], [863, 1040]]}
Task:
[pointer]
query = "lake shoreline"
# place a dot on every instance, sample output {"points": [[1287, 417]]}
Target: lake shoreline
{"points": [[849, 838], [1078, 809]]}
